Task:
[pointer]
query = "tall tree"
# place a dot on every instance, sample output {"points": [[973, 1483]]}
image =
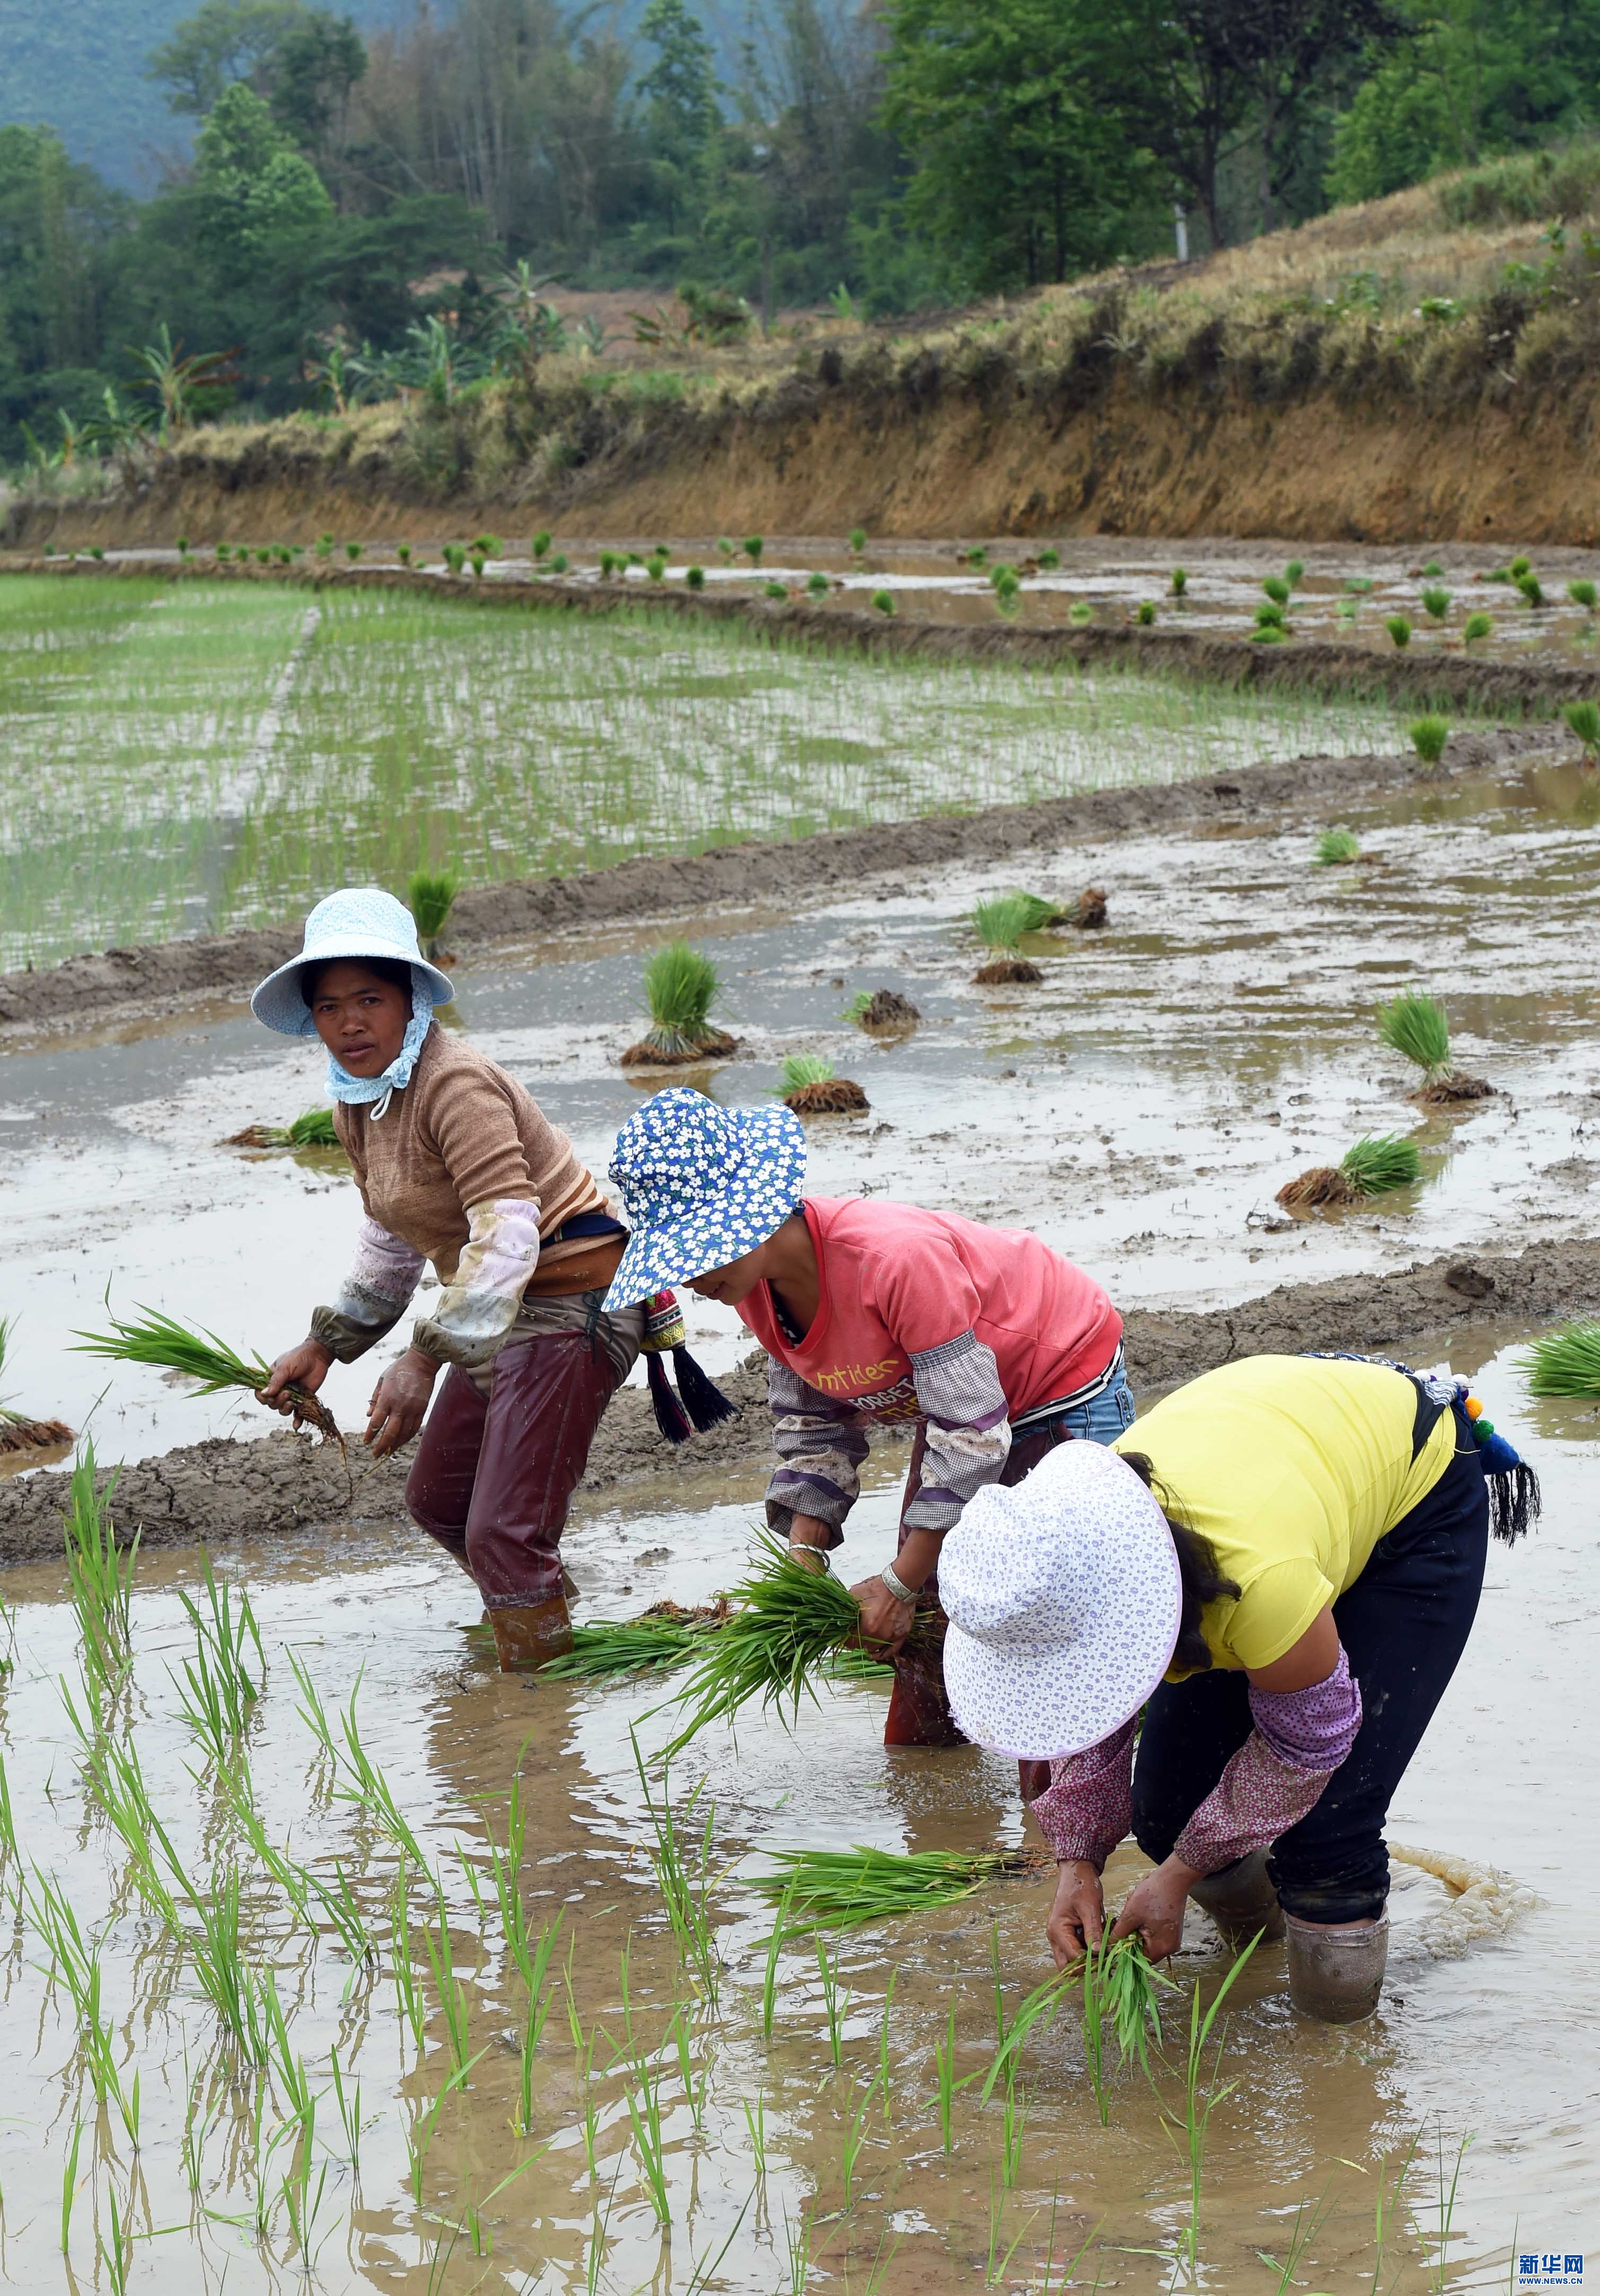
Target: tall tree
{"points": [[223, 41]]}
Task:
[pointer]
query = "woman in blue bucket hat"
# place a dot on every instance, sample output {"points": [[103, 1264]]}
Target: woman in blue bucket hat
{"points": [[456, 1164], [984, 1341]]}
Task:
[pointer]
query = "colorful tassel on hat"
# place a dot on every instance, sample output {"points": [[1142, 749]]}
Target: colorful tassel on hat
{"points": [[699, 1403]]}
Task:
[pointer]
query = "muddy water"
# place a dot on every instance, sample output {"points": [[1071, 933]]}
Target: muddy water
{"points": [[1499, 2044], [1140, 1107]]}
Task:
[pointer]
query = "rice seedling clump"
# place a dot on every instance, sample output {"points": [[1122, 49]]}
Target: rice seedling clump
{"points": [[843, 1889], [999, 923], [1427, 738], [18, 1431], [666, 1636], [1334, 846], [1370, 1166], [809, 1087], [429, 896], [1398, 628], [816, 585], [1476, 627], [883, 601], [1583, 593], [166, 1345], [1418, 1028], [1583, 722], [882, 1008], [681, 984], [1565, 1363]]}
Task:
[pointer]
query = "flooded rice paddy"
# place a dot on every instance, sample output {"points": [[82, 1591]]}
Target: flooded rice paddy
{"points": [[680, 2126], [220, 754]]}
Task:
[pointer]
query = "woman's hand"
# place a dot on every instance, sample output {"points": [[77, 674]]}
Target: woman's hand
{"points": [[1077, 1916], [1155, 1909], [399, 1402], [305, 1366], [885, 1619]]}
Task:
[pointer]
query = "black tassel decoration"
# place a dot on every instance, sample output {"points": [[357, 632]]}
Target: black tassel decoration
{"points": [[670, 1416], [701, 1398], [1514, 1502]]}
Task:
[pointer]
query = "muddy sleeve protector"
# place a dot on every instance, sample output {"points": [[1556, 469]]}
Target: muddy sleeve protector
{"points": [[1088, 1806], [375, 1294], [820, 1449], [969, 1433], [479, 1306], [1300, 1738]]}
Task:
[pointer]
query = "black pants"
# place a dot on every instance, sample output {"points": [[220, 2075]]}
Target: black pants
{"points": [[1404, 1624]]}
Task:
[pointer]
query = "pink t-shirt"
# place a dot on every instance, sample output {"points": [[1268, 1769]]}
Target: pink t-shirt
{"points": [[896, 1281]]}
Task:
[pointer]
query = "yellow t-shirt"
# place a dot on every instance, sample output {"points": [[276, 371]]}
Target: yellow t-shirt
{"points": [[1294, 1469]]}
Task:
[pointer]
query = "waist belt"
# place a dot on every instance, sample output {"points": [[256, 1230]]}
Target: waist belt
{"points": [[584, 1224], [1034, 1422]]}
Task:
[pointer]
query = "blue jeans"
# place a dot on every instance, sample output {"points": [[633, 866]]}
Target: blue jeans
{"points": [[1107, 1415]]}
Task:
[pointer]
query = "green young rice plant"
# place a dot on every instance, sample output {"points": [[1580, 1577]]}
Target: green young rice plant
{"points": [[1334, 846], [817, 583], [642, 2098], [1080, 613], [1294, 572], [1398, 628], [1387, 2203], [883, 601], [99, 1575], [216, 1692], [769, 1973], [451, 1991], [1440, 2275], [1476, 627], [1583, 593], [1203, 2093], [834, 2002], [1375, 1165], [843, 1889], [854, 2137], [1358, 585], [683, 1872], [404, 553], [1001, 921], [1583, 722], [1040, 911], [1436, 601], [944, 2066], [606, 1647], [490, 545], [753, 546], [541, 542], [1269, 616], [681, 984], [165, 1344], [1565, 1361], [429, 896], [478, 563], [1180, 580], [1277, 589], [695, 576], [1418, 1028], [1518, 567], [1427, 738], [798, 1069], [1310, 2218], [1014, 2123], [1146, 612], [727, 546], [858, 539], [786, 1619], [454, 556], [774, 590], [655, 569], [1049, 561], [1531, 589]]}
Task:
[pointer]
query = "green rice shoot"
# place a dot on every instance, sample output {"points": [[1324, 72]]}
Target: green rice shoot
{"points": [[314, 1130], [1380, 1162], [1418, 1028], [1583, 722], [429, 896], [800, 1070], [162, 1343], [681, 984], [19, 1431], [1476, 627], [1565, 1363], [1334, 846], [1040, 912], [1429, 735], [1001, 921], [844, 1888], [1398, 628]]}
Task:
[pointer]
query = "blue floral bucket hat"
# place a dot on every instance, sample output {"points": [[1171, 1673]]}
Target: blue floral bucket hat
{"points": [[700, 1184]]}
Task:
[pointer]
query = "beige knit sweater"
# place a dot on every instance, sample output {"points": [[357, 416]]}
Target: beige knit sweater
{"points": [[462, 1133]]}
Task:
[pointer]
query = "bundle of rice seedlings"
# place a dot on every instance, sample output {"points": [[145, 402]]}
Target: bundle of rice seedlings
{"points": [[1334, 846], [1180, 580], [1005, 577], [1358, 585], [1437, 602], [1049, 559], [1398, 628], [1476, 627], [314, 1130], [541, 542], [1371, 1167], [220, 553], [1277, 589], [1565, 1361], [429, 896], [1433, 570], [403, 553], [844, 1888], [324, 546], [999, 923], [858, 539], [695, 578], [352, 551], [816, 585], [787, 1620], [680, 987], [1427, 738], [166, 1345], [1531, 588], [666, 1637], [753, 546], [774, 590], [1270, 634], [884, 1008], [1041, 911], [560, 562], [1583, 593], [1146, 613], [1418, 1028], [809, 1087], [454, 556], [656, 569], [1518, 567], [883, 601], [1269, 615], [609, 563], [490, 545], [724, 545], [263, 557], [1583, 722], [1080, 611], [1294, 572], [282, 554], [1500, 574], [977, 556], [183, 545], [18, 1431], [479, 563]]}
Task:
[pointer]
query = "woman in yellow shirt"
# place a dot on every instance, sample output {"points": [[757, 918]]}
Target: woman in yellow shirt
{"points": [[1279, 1567]]}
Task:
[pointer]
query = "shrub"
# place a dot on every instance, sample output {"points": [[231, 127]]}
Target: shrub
{"points": [[695, 577], [817, 584], [1583, 722], [1583, 593], [1146, 612], [1398, 628], [1476, 627], [1437, 602], [1427, 738], [1180, 580], [753, 546]]}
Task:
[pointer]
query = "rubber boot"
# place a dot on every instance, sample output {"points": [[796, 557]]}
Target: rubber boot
{"points": [[527, 1634], [1336, 1968], [1243, 1902]]}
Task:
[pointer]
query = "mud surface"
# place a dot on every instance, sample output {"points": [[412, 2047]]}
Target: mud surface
{"points": [[223, 1490], [160, 976]]}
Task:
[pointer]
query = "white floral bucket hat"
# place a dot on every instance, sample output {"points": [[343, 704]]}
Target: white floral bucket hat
{"points": [[700, 1184], [360, 921], [1064, 1601]]}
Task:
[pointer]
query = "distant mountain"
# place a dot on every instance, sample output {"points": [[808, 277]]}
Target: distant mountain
{"points": [[79, 66]]}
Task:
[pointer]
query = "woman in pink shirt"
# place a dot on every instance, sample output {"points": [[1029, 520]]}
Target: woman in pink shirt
{"points": [[987, 1343]]}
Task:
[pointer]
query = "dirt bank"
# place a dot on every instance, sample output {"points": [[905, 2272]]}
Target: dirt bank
{"points": [[219, 1490]]}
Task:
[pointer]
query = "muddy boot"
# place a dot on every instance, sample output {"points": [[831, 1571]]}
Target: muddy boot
{"points": [[1336, 1968], [527, 1634], [1242, 1902]]}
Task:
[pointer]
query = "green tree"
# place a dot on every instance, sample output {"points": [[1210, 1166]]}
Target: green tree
{"points": [[679, 90], [313, 68], [257, 197], [223, 42]]}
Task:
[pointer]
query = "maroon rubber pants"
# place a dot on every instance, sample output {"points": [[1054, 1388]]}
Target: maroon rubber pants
{"points": [[493, 1479], [919, 1707]]}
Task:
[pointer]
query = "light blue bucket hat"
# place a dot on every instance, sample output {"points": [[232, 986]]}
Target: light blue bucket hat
{"points": [[359, 921], [700, 1184]]}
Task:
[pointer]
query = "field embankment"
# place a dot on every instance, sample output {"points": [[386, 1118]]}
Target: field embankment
{"points": [[1420, 367]]}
